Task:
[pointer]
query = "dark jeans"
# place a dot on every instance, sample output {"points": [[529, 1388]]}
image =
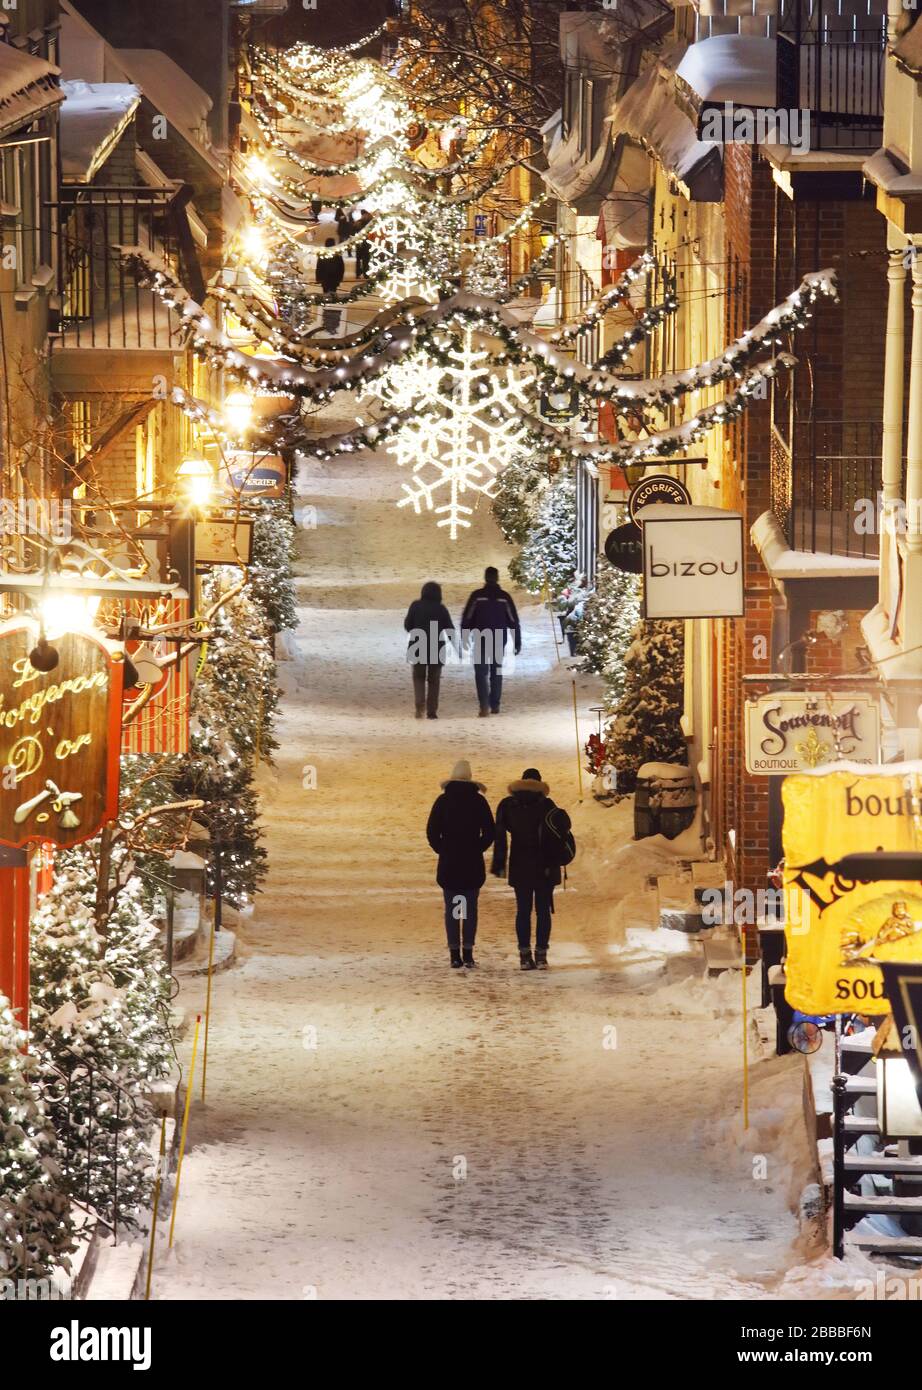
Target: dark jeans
{"points": [[362, 257], [423, 675], [460, 912], [489, 679], [543, 897]]}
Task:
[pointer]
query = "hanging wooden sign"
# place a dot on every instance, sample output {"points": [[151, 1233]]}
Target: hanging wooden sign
{"points": [[60, 738], [249, 473]]}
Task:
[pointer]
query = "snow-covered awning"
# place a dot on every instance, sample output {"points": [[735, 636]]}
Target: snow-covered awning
{"points": [[730, 67], [783, 563], [28, 88], [93, 119], [626, 209], [174, 94], [650, 112]]}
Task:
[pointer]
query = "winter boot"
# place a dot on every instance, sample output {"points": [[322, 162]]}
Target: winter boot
{"points": [[455, 960], [484, 712], [420, 711], [541, 960], [469, 960], [432, 716], [526, 960]]}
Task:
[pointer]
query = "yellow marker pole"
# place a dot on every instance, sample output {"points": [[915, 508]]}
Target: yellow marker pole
{"points": [[153, 1223], [214, 931], [745, 1036], [185, 1127], [579, 751]]}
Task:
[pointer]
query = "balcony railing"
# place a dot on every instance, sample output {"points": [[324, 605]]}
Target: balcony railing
{"points": [[831, 64], [103, 304], [818, 479]]}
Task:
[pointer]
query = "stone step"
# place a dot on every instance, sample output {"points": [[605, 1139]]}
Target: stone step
{"points": [[883, 1165], [872, 1244], [882, 1206]]}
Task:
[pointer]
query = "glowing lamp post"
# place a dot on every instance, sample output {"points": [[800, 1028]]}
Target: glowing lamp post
{"points": [[196, 482]]}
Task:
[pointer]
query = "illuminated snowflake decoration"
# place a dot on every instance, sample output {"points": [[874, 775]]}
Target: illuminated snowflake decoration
{"points": [[469, 427]]}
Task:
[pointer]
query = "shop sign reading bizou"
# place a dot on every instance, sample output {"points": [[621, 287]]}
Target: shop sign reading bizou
{"points": [[692, 562], [60, 738], [839, 931]]}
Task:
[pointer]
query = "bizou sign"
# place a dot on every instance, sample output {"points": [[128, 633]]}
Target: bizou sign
{"points": [[792, 730], [692, 562]]}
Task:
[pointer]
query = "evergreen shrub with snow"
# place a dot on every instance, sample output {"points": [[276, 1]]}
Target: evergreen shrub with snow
{"points": [[549, 552], [36, 1229], [645, 720], [270, 583], [101, 1030], [606, 628]]}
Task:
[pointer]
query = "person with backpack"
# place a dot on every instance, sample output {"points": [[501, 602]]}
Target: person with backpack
{"points": [[460, 829], [431, 631], [489, 617], [542, 845]]}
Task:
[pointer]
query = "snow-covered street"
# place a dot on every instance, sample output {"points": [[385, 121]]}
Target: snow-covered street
{"points": [[378, 1126]]}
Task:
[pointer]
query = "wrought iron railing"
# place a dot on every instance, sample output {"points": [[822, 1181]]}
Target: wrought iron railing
{"points": [[830, 64], [103, 303], [824, 485]]}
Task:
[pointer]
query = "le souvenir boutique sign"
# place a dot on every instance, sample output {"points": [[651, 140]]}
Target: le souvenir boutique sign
{"points": [[793, 731], [60, 738]]}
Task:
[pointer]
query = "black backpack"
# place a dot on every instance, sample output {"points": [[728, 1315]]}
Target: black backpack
{"points": [[558, 843]]}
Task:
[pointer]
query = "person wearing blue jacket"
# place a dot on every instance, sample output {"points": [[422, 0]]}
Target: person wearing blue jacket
{"points": [[488, 620]]}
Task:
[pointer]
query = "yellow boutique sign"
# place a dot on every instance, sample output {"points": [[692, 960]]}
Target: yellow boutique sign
{"points": [[839, 929]]}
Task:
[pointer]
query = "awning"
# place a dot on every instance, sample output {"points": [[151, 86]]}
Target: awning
{"points": [[731, 67], [651, 114], [28, 88], [626, 208], [93, 119]]}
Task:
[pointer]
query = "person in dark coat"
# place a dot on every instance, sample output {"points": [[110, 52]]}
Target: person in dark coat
{"points": [[360, 221], [520, 818], [330, 270], [488, 619], [460, 830], [431, 631]]}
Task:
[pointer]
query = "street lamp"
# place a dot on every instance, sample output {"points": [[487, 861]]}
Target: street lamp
{"points": [[196, 479], [238, 411]]}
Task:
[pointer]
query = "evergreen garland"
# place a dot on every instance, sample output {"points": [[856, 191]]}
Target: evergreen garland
{"points": [[518, 492]]}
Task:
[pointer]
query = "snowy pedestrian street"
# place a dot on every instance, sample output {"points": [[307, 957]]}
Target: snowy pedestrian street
{"points": [[379, 1126]]}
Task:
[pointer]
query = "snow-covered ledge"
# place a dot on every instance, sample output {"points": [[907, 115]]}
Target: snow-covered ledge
{"points": [[784, 563]]}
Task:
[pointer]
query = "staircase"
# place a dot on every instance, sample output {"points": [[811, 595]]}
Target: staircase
{"points": [[874, 1175]]}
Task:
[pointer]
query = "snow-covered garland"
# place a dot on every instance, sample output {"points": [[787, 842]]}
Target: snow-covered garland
{"points": [[293, 342], [593, 314]]}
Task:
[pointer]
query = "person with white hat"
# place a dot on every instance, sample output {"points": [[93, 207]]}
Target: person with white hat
{"points": [[460, 830]]}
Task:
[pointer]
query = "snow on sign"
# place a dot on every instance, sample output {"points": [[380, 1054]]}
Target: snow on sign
{"points": [[792, 730], [60, 738], [692, 562]]}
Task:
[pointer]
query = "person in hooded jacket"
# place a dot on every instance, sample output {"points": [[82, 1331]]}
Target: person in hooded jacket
{"points": [[520, 819], [432, 632], [460, 829]]}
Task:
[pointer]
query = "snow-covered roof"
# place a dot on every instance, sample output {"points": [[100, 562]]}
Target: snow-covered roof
{"points": [[649, 112], [28, 86], [93, 117], [731, 67], [168, 87]]}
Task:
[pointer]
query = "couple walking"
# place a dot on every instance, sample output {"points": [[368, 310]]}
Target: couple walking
{"points": [[461, 829], [488, 620]]}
